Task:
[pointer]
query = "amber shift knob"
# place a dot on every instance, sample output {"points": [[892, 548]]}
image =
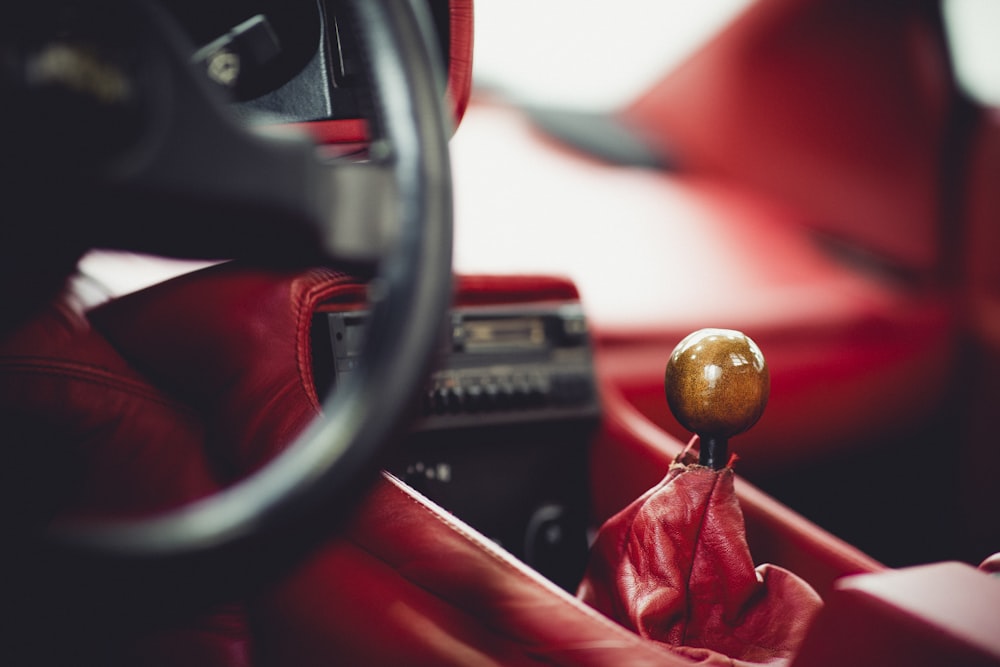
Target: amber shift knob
{"points": [[717, 385]]}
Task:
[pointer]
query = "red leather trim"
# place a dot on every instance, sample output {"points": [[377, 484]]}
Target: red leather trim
{"points": [[410, 584], [306, 293], [343, 131], [479, 290], [941, 614], [494, 290], [460, 64], [991, 564]]}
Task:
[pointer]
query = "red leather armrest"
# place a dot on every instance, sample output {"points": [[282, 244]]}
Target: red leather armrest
{"points": [[941, 614]]}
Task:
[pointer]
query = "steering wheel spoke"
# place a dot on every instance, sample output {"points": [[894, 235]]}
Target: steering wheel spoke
{"points": [[363, 215]]}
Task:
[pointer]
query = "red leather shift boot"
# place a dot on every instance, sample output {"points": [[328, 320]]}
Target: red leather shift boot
{"points": [[674, 566]]}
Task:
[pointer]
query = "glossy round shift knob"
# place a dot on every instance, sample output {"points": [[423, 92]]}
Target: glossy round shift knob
{"points": [[717, 383]]}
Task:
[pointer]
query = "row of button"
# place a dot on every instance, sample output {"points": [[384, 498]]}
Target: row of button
{"points": [[453, 398]]}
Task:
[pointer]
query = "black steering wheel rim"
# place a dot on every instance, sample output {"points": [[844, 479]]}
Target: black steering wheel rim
{"points": [[411, 293]]}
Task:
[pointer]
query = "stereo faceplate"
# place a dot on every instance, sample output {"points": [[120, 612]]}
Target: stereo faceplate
{"points": [[498, 365]]}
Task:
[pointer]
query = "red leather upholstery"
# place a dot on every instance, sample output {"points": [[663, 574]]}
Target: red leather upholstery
{"points": [[837, 108], [460, 56], [66, 392], [406, 584], [230, 347], [410, 585], [236, 342], [86, 433], [991, 564], [233, 343], [156, 399], [942, 614], [674, 566]]}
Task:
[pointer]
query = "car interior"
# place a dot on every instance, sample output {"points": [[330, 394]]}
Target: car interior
{"points": [[319, 349]]}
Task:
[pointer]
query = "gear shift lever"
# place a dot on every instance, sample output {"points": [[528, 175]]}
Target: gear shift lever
{"points": [[675, 565], [717, 385]]}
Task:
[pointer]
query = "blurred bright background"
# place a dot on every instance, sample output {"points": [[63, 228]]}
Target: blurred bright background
{"points": [[588, 55], [972, 30], [596, 55]]}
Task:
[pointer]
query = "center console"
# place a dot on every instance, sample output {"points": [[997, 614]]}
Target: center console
{"points": [[505, 421]]}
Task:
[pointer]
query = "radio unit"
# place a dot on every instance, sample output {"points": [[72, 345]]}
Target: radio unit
{"points": [[498, 364]]}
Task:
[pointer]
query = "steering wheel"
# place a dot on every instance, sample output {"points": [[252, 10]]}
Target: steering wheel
{"points": [[390, 215]]}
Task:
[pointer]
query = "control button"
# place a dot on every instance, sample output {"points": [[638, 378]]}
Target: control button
{"points": [[491, 397], [555, 544], [454, 397], [574, 330], [426, 477], [440, 401], [538, 396], [520, 395], [505, 396], [570, 389], [474, 398]]}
